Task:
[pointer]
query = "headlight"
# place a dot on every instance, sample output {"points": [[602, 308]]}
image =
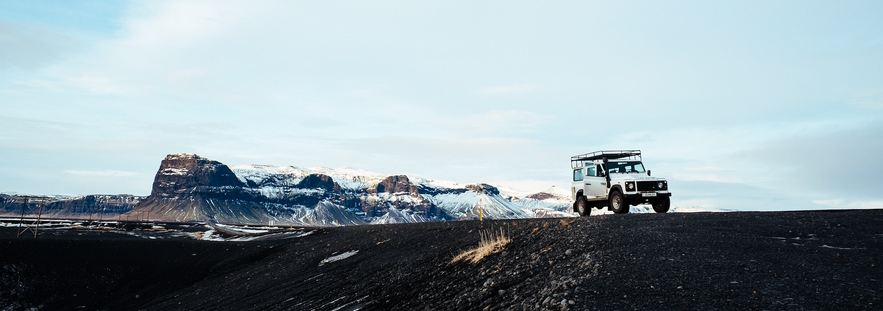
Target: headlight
{"points": [[630, 186], [660, 185]]}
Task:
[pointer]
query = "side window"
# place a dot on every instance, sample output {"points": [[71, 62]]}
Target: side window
{"points": [[600, 171], [578, 175], [591, 171]]}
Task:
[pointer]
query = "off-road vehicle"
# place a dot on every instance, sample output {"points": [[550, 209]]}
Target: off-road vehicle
{"points": [[615, 179]]}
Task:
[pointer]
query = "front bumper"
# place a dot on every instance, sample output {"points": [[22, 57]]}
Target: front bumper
{"points": [[641, 198]]}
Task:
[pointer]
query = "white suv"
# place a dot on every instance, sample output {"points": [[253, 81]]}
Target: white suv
{"points": [[616, 179]]}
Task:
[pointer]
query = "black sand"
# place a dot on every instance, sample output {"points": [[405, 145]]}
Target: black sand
{"points": [[738, 261]]}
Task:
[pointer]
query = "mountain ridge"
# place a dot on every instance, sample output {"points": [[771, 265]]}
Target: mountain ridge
{"points": [[188, 187], [192, 188]]}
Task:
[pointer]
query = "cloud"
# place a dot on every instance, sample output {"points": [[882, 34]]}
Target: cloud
{"points": [[709, 169], [505, 90], [499, 121], [711, 173], [105, 173], [870, 98], [482, 159], [850, 204], [94, 84], [713, 195], [706, 177], [844, 164], [26, 47]]}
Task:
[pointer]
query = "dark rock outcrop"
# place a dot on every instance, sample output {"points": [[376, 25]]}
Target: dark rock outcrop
{"points": [[540, 196], [183, 175], [423, 189], [407, 198], [318, 181], [188, 187], [484, 189], [395, 184]]}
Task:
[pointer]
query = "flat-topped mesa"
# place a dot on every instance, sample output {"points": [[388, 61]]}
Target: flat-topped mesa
{"points": [[188, 187], [184, 174], [395, 184]]}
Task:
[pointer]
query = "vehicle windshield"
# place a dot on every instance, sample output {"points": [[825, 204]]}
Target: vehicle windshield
{"points": [[631, 167]]}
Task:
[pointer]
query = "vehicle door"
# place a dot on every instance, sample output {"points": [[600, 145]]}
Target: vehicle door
{"points": [[577, 182], [595, 184]]}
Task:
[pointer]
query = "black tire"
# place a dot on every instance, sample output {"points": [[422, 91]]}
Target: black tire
{"points": [[617, 203], [661, 205], [582, 206]]}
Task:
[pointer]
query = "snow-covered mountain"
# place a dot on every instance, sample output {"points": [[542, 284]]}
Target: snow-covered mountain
{"points": [[191, 188]]}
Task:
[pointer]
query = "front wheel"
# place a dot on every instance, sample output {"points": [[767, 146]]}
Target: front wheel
{"points": [[662, 205], [617, 204], [582, 206]]}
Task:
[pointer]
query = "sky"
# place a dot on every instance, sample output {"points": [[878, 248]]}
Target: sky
{"points": [[741, 105]]}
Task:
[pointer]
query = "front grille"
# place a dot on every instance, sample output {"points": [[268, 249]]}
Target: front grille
{"points": [[649, 186]]}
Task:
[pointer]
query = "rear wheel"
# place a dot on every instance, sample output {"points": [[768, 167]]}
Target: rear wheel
{"points": [[662, 205], [582, 206], [617, 204]]}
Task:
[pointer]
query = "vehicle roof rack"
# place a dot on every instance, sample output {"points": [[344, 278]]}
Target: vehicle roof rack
{"points": [[577, 160]]}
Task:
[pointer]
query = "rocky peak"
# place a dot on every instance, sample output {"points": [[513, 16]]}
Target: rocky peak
{"points": [[483, 189], [395, 184], [321, 181], [541, 196], [551, 193]]}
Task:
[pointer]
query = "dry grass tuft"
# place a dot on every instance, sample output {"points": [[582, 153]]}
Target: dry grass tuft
{"points": [[490, 243], [564, 222]]}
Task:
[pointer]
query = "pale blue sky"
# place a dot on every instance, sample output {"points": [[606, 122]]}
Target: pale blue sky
{"points": [[742, 105]]}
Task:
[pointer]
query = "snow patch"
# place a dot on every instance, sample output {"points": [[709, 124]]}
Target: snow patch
{"points": [[339, 257], [174, 171], [842, 248], [182, 156], [396, 216]]}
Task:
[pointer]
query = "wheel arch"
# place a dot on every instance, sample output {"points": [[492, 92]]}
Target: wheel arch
{"points": [[579, 195], [614, 188]]}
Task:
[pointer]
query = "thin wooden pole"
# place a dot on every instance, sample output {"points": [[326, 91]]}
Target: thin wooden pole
{"points": [[22, 219], [39, 215]]}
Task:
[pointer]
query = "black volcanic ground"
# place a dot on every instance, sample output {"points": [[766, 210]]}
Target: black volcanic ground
{"points": [[817, 260]]}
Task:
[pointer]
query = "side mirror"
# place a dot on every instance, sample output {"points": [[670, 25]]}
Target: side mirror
{"points": [[648, 172]]}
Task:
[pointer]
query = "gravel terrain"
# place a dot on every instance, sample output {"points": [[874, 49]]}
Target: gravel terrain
{"points": [[817, 260]]}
